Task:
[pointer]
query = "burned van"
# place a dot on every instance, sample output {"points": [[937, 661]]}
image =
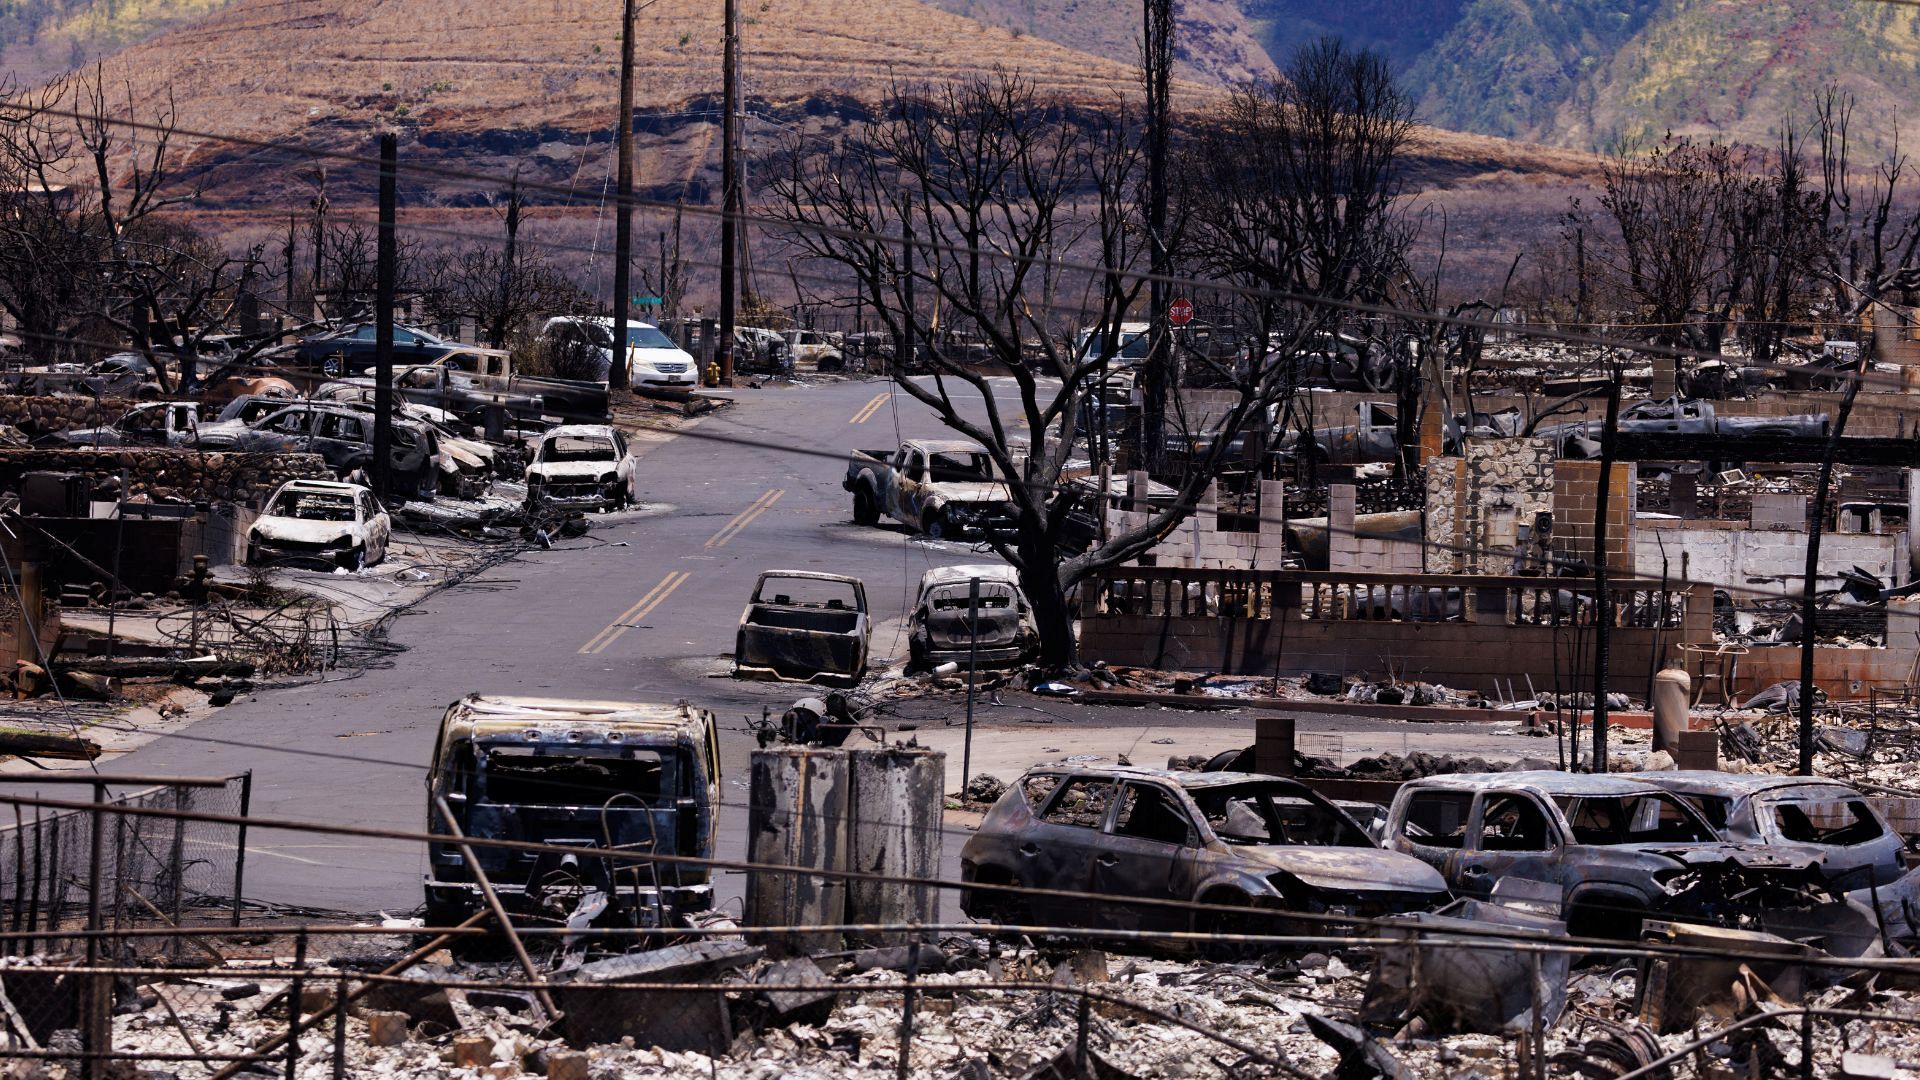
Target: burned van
{"points": [[585, 777]]}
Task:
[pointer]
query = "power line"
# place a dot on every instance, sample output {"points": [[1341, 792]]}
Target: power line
{"points": [[1046, 262]]}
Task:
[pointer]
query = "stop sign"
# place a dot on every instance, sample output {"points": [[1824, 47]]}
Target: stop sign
{"points": [[1180, 312]]}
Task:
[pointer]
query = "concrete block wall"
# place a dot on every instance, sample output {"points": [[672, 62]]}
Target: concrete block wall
{"points": [[1743, 556], [1576, 491], [1200, 543], [1779, 510], [1365, 554]]}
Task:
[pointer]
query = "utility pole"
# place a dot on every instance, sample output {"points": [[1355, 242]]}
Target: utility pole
{"points": [[383, 320], [1809, 609], [623, 212], [289, 251], [1157, 62], [1602, 599], [497, 331], [729, 187]]}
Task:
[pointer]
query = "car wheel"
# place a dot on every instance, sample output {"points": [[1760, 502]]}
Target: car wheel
{"points": [[355, 560], [1232, 914], [865, 511], [934, 526]]}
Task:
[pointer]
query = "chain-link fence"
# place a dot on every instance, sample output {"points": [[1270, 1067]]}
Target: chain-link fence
{"points": [[64, 868], [1259, 992]]}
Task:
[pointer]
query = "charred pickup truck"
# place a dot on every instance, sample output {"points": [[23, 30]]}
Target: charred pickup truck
{"points": [[592, 775], [950, 624], [1675, 416], [1617, 850], [1241, 845], [943, 488], [805, 626]]}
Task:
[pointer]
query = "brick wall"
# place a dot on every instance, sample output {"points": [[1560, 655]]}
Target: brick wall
{"points": [[1779, 511], [1576, 491]]}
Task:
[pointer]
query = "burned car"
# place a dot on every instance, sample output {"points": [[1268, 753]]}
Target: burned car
{"points": [[581, 467], [1826, 818], [341, 435], [1229, 841], [1617, 850], [806, 626], [319, 521], [591, 775], [950, 624]]}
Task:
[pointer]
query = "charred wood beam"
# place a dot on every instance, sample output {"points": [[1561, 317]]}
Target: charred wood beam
{"points": [[1770, 449]]}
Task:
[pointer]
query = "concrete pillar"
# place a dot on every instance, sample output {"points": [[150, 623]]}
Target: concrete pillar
{"points": [[895, 813], [1273, 745], [1913, 518], [797, 815], [1342, 505]]}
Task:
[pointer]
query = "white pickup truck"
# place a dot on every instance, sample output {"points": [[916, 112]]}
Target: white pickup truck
{"points": [[944, 488]]}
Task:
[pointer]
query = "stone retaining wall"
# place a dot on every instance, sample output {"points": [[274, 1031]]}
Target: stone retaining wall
{"points": [[37, 415], [182, 475]]}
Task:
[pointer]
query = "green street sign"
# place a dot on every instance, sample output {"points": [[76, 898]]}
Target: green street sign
{"points": [[652, 300]]}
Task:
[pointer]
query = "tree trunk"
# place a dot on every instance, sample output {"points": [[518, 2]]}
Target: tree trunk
{"points": [[1052, 612]]}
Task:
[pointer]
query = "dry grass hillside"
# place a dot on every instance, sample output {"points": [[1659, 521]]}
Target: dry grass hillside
{"points": [[275, 67], [530, 86]]}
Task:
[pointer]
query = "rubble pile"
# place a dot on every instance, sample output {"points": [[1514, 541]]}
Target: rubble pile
{"points": [[1148, 1017]]}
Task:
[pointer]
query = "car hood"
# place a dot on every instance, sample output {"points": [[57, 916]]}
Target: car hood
{"points": [[571, 470], [305, 531], [473, 455], [1747, 856], [1348, 869]]}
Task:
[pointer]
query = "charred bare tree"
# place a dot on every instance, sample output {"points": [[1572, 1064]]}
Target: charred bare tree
{"points": [[990, 180], [49, 259], [1870, 221], [1291, 191]]}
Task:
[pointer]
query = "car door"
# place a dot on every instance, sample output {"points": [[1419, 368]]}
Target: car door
{"points": [[1513, 836], [379, 530], [1058, 850], [289, 429], [911, 489], [340, 438], [1148, 854], [1432, 826]]}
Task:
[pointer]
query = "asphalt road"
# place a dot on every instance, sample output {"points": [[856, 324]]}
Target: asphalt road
{"points": [[644, 608]]}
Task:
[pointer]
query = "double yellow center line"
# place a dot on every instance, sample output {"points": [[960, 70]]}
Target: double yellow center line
{"points": [[866, 411], [634, 614], [744, 518]]}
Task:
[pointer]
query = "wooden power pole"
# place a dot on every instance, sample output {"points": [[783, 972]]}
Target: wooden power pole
{"points": [[1157, 65], [623, 213], [384, 287], [730, 188]]}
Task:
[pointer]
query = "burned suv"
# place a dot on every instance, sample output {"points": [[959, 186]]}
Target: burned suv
{"points": [[590, 775], [1616, 850], [1231, 841], [951, 623]]}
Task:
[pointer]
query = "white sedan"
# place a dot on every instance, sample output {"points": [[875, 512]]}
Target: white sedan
{"points": [[320, 522]]}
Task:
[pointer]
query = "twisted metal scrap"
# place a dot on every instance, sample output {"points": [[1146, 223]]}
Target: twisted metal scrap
{"points": [[296, 637]]}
